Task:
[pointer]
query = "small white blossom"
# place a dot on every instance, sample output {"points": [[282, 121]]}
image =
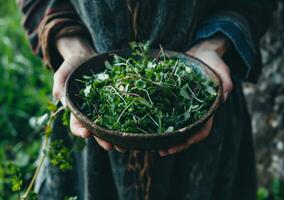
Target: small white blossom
{"points": [[87, 90], [188, 69], [121, 88], [102, 76], [151, 65]]}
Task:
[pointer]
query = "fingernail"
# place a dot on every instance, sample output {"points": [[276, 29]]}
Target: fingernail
{"points": [[172, 151], [121, 150], [163, 153]]}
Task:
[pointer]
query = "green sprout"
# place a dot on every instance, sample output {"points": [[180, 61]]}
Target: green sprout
{"points": [[146, 95]]}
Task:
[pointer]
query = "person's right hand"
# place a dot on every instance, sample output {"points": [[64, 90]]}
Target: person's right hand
{"points": [[74, 51]]}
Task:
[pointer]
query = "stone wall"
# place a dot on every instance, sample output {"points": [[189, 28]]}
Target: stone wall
{"points": [[266, 104]]}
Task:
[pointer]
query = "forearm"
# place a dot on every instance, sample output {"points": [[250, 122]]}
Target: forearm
{"points": [[70, 46]]}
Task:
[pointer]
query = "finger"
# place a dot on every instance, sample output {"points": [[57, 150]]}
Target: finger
{"points": [[214, 61], [59, 79], [203, 133], [78, 129], [105, 145], [163, 153], [58, 86], [180, 147], [224, 73], [62, 73], [120, 149]]}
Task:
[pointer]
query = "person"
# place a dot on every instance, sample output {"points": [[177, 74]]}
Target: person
{"points": [[215, 164]]}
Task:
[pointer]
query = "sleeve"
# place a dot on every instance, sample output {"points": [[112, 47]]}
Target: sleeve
{"points": [[47, 20], [243, 22]]}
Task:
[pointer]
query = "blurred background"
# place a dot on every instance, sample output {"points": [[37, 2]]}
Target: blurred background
{"points": [[25, 89]]}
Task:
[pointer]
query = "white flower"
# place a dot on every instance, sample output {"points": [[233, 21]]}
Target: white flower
{"points": [[102, 76], [87, 90], [151, 65], [121, 88], [188, 69]]}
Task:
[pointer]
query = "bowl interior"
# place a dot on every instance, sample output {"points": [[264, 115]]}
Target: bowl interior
{"points": [[96, 65]]}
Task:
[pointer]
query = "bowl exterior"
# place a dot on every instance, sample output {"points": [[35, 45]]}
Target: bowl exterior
{"points": [[136, 141]]}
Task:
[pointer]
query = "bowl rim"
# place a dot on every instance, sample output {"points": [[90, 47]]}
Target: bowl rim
{"points": [[86, 121]]}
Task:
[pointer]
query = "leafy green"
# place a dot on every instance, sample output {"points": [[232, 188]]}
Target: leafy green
{"points": [[146, 95], [16, 177], [60, 155]]}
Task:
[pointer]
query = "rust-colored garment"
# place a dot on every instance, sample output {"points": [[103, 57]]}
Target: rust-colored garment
{"points": [[46, 20]]}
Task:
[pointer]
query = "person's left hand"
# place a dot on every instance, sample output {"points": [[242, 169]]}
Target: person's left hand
{"points": [[210, 52]]}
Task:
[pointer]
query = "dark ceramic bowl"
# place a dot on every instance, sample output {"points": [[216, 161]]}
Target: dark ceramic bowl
{"points": [[136, 141]]}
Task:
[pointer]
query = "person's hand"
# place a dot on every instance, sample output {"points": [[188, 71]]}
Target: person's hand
{"points": [[74, 50], [210, 52]]}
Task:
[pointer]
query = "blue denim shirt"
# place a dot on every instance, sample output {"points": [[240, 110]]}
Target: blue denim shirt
{"points": [[238, 31]]}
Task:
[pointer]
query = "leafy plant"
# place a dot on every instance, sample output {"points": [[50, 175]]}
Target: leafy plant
{"points": [[57, 152], [262, 193], [277, 189], [71, 198], [25, 87], [274, 192], [15, 177], [60, 155], [146, 95]]}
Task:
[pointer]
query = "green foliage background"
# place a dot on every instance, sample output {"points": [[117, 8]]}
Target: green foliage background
{"points": [[25, 87]]}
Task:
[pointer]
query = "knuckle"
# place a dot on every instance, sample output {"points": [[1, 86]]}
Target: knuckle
{"points": [[190, 53], [56, 93], [85, 133]]}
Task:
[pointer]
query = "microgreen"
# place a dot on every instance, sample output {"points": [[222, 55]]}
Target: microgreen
{"points": [[144, 95]]}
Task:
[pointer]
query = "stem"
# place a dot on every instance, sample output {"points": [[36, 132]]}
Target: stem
{"points": [[57, 111], [148, 95], [41, 161], [124, 111], [18, 196], [142, 130], [194, 96], [26, 194], [109, 86]]}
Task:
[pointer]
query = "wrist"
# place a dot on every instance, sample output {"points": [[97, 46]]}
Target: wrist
{"points": [[74, 46], [218, 43]]}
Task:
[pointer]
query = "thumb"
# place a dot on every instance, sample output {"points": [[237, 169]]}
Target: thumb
{"points": [[215, 62], [62, 73], [59, 79]]}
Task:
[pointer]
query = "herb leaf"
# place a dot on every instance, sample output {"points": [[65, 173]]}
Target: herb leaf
{"points": [[145, 95]]}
